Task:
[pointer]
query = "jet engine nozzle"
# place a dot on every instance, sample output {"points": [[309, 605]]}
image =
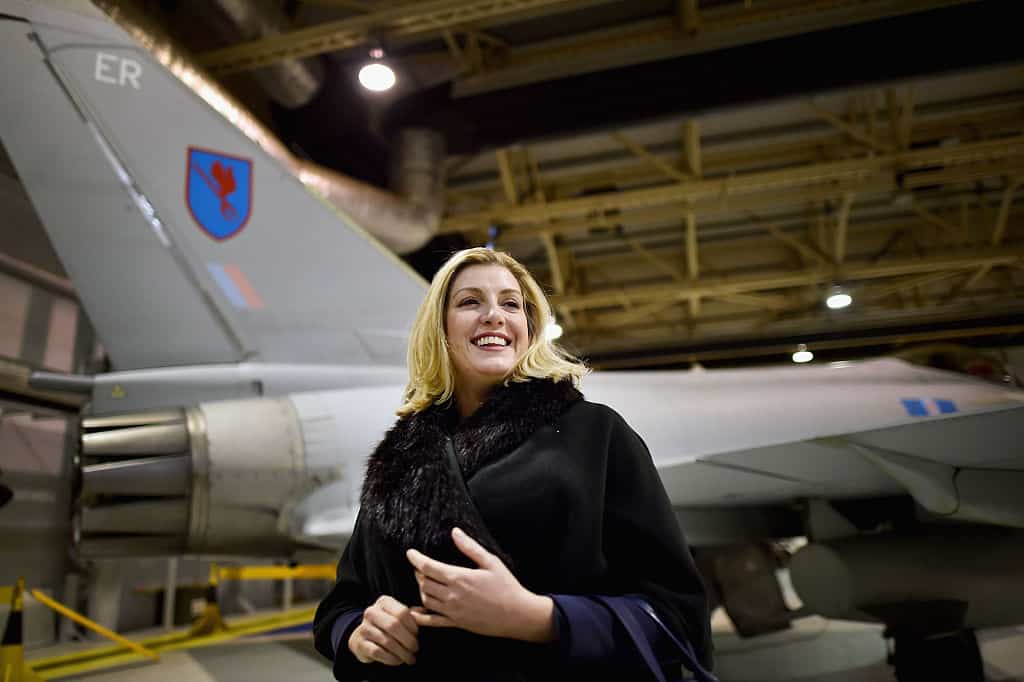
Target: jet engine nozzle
{"points": [[135, 483], [217, 477]]}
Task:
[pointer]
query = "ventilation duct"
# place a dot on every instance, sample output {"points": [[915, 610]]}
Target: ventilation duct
{"points": [[291, 83]]}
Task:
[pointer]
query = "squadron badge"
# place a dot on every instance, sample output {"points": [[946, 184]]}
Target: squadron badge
{"points": [[218, 190]]}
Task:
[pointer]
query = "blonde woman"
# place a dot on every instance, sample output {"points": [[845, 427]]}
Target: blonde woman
{"points": [[509, 529]]}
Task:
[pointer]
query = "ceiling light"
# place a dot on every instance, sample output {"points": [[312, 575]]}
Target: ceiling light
{"points": [[377, 76], [552, 331], [838, 298], [802, 354]]}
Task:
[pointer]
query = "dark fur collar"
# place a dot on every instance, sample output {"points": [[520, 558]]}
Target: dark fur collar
{"points": [[409, 492]]}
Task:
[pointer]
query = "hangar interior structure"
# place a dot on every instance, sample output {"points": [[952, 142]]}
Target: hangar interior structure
{"points": [[690, 180]]}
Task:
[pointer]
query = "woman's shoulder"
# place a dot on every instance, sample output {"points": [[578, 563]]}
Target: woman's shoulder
{"points": [[585, 412], [599, 419]]}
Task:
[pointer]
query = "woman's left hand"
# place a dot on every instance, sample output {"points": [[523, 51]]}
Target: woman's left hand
{"points": [[487, 600]]}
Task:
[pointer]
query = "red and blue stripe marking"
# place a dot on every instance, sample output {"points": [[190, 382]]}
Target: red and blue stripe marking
{"points": [[236, 286]]}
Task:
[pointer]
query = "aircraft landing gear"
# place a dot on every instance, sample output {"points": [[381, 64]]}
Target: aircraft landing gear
{"points": [[945, 657]]}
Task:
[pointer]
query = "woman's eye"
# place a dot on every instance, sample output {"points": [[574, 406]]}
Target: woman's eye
{"points": [[467, 301], [512, 304]]}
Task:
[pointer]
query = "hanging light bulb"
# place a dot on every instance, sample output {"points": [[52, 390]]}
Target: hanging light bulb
{"points": [[377, 76], [838, 298], [802, 354]]}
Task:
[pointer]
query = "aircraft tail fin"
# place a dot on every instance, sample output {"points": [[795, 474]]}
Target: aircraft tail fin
{"points": [[187, 242]]}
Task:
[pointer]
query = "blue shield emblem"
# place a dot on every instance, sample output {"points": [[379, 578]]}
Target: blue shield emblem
{"points": [[218, 190]]}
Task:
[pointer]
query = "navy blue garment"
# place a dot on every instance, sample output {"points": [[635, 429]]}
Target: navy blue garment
{"points": [[600, 634], [342, 630]]}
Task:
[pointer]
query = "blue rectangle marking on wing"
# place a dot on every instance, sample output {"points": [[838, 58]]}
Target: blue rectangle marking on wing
{"points": [[915, 407], [945, 406], [227, 285]]}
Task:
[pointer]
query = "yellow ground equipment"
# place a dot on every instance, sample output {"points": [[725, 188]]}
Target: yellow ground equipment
{"points": [[12, 652], [212, 621], [210, 628]]}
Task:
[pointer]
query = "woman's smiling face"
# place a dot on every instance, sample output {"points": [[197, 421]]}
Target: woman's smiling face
{"points": [[486, 326]]}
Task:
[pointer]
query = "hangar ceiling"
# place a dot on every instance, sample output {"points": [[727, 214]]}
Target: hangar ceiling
{"points": [[689, 179], [728, 230]]}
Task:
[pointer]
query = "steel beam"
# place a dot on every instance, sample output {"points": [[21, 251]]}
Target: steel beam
{"points": [[971, 172], [670, 214], [554, 265], [795, 315], [1003, 118], [745, 325], [1004, 210], [901, 115], [637, 313], [658, 263], [910, 283], [938, 222], [978, 275], [559, 280], [865, 235], [688, 13], [454, 49], [508, 180], [37, 276], [422, 19], [662, 165], [354, 5], [691, 148], [721, 26], [755, 348], [851, 130], [907, 118], [712, 287], [806, 249], [842, 222], [759, 301], [815, 175], [692, 262]]}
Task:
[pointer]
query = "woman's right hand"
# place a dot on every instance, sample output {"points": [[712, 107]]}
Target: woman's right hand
{"points": [[388, 634]]}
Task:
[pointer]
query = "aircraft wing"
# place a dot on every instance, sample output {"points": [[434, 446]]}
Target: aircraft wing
{"points": [[935, 461], [187, 242], [762, 437]]}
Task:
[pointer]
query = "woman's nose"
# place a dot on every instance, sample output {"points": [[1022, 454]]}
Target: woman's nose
{"points": [[492, 314]]}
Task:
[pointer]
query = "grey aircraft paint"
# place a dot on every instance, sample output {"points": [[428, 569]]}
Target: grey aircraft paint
{"points": [[297, 283]]}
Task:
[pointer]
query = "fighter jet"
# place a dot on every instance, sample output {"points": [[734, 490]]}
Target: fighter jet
{"points": [[257, 336]]}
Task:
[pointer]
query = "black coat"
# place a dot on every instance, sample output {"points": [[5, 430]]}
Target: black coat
{"points": [[562, 489]]}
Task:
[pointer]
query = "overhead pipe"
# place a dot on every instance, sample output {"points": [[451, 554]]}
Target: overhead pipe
{"points": [[402, 223], [292, 83]]}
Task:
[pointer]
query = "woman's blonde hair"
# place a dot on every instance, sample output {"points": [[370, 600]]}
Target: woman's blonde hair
{"points": [[431, 374]]}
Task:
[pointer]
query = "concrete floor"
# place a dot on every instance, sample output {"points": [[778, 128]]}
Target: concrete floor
{"points": [[815, 650], [820, 650], [248, 661]]}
